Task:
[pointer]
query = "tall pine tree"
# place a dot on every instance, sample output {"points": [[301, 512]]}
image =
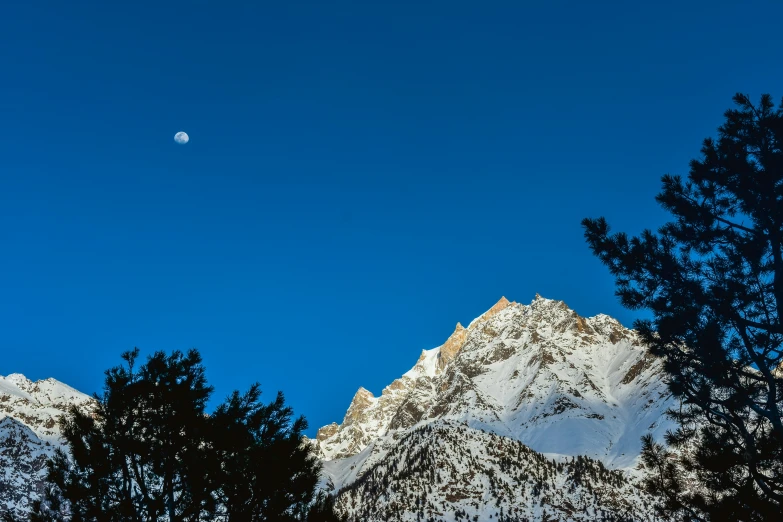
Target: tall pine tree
{"points": [[713, 280]]}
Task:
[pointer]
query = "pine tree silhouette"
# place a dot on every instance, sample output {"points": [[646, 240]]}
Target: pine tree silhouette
{"points": [[150, 452], [713, 280]]}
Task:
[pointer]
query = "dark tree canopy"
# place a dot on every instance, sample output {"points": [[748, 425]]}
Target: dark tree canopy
{"points": [[713, 280], [261, 468], [150, 452]]}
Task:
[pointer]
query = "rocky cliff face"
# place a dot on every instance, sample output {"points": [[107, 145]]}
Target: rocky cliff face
{"points": [[29, 434], [562, 385]]}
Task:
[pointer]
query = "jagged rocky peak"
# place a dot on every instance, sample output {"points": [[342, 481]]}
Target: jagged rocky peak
{"points": [[550, 308], [502, 304], [451, 347], [498, 307], [561, 318], [327, 431], [362, 400], [456, 340]]}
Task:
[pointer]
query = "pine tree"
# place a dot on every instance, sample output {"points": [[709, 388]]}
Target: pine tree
{"points": [[138, 456], [150, 452], [713, 280], [261, 468]]}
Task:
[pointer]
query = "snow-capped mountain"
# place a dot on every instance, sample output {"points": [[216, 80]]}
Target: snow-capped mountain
{"points": [[541, 375], [530, 413], [29, 434]]}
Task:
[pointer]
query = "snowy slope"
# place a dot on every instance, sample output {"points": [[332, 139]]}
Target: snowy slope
{"points": [[446, 470], [29, 434]]}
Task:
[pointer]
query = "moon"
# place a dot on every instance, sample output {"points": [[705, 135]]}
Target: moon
{"points": [[181, 137]]}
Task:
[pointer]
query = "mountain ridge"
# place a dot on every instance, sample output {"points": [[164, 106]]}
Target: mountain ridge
{"points": [[596, 365]]}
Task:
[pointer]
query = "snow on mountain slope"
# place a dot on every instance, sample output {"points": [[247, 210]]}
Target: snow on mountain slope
{"points": [[446, 470], [540, 374], [29, 434]]}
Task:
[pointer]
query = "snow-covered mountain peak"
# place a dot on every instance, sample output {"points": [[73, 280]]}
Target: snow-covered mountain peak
{"points": [[549, 311], [541, 304], [539, 373], [42, 393], [15, 378], [9, 387], [38, 404]]}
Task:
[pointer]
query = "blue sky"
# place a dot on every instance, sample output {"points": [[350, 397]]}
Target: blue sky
{"points": [[360, 175]]}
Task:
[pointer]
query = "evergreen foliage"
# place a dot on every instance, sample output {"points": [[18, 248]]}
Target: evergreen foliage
{"points": [[150, 452], [261, 468], [323, 509], [713, 280]]}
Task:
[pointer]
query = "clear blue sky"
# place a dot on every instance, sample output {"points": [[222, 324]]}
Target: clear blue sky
{"points": [[360, 175]]}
